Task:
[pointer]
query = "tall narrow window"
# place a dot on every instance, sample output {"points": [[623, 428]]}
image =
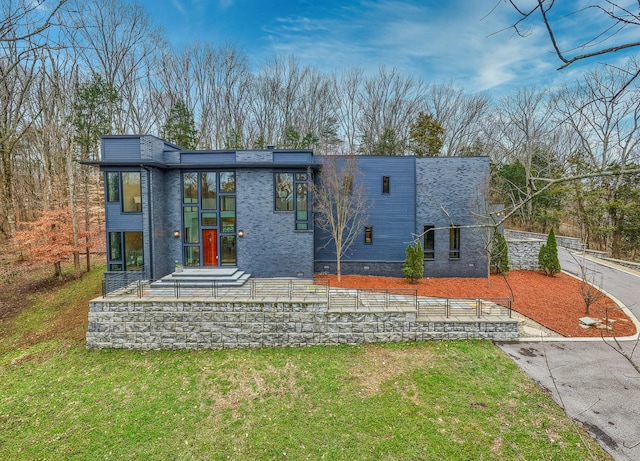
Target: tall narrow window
{"points": [[368, 235], [208, 181], [191, 232], [133, 250], [228, 213], [131, 193], [454, 242], [284, 191], [385, 184], [429, 242], [113, 187], [302, 212], [190, 187]]}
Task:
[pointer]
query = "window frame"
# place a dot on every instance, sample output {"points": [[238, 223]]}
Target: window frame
{"points": [[429, 242], [386, 185], [368, 235], [454, 242], [121, 263], [123, 193]]}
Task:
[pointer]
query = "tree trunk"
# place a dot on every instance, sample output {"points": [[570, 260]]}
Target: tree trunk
{"points": [[74, 217]]}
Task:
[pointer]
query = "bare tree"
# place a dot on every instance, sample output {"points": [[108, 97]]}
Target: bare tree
{"points": [[613, 24], [608, 131], [23, 40], [461, 115], [340, 204], [389, 103]]}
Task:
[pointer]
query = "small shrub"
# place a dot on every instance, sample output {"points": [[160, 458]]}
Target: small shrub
{"points": [[414, 263], [548, 256]]}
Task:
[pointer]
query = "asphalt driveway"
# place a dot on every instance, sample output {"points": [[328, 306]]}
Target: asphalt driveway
{"points": [[595, 384]]}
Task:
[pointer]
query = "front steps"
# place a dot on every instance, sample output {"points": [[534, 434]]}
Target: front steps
{"points": [[204, 278]]}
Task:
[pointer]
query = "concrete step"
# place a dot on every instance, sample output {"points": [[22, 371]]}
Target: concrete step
{"points": [[201, 277]]}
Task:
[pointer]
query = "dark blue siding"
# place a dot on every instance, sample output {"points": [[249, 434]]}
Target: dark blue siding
{"points": [[126, 148], [391, 215]]}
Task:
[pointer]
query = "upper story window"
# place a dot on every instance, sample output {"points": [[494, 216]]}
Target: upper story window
{"points": [[209, 181], [190, 187], [291, 193], [125, 187], [284, 191], [385, 184], [228, 181], [429, 242], [454, 242], [113, 187]]}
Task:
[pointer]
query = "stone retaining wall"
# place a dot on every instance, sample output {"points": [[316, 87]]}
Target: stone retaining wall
{"points": [[523, 254], [149, 324], [571, 243]]}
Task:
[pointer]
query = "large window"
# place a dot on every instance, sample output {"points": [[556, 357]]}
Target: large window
{"points": [[429, 242], [131, 193], [125, 251], [454, 242], [291, 193], [284, 191]]}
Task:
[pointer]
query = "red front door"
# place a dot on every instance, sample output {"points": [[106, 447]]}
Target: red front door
{"points": [[210, 247]]}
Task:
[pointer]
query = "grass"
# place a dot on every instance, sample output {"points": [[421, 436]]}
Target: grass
{"points": [[459, 400]]}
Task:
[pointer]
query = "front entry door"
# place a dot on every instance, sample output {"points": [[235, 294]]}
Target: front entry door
{"points": [[210, 247]]}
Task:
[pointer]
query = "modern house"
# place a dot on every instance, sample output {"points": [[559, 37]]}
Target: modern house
{"points": [[252, 210]]}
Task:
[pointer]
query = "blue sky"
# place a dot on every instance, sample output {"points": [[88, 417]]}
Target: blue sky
{"points": [[438, 41]]}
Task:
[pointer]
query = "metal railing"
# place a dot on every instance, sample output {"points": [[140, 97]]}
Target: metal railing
{"points": [[252, 289], [373, 299], [338, 299], [447, 307]]}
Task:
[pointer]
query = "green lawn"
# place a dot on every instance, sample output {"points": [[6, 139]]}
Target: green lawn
{"points": [[439, 400]]}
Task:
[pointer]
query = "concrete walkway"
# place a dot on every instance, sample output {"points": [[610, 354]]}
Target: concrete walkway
{"points": [[595, 384]]}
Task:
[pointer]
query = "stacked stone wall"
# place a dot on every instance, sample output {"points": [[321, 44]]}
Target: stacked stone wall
{"points": [[145, 324]]}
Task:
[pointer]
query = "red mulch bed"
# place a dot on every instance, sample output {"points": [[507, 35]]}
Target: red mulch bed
{"points": [[554, 302]]}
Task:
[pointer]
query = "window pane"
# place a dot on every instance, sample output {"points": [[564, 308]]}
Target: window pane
{"points": [[192, 256], [301, 202], [229, 250], [133, 250], [302, 226], [228, 213], [284, 191], [113, 187], [131, 193], [115, 246], [191, 227], [301, 176], [228, 181], [209, 219], [189, 187], [454, 242], [208, 181], [115, 267], [368, 234], [385, 184], [429, 242]]}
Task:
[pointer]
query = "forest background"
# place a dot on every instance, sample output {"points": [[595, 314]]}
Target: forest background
{"points": [[72, 70]]}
